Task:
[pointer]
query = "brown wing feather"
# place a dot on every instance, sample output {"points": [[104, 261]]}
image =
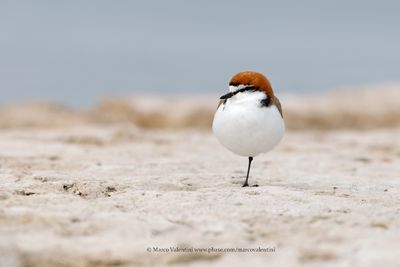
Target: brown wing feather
{"points": [[222, 101], [277, 103]]}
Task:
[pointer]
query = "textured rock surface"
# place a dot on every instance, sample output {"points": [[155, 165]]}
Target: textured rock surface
{"points": [[100, 196]]}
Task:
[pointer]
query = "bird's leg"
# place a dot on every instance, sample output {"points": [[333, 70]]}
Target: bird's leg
{"points": [[248, 172]]}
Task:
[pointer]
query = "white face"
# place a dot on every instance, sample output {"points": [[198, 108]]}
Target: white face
{"points": [[233, 88]]}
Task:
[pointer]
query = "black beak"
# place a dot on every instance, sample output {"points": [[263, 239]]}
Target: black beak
{"points": [[228, 95]]}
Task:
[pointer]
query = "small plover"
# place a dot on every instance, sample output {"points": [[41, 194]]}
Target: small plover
{"points": [[249, 119]]}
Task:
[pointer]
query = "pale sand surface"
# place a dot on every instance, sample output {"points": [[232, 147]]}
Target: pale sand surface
{"points": [[100, 195]]}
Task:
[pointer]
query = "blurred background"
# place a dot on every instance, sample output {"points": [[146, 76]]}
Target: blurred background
{"points": [[77, 52], [80, 53]]}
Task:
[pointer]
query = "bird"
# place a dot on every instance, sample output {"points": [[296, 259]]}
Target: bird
{"points": [[249, 118]]}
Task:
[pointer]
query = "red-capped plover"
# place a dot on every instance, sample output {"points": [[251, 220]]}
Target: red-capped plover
{"points": [[249, 119]]}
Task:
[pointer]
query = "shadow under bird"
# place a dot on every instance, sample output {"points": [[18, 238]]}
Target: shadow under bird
{"points": [[249, 119]]}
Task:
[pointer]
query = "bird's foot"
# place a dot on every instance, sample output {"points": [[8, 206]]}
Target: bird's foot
{"points": [[247, 185]]}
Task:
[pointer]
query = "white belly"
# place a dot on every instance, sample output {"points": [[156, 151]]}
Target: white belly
{"points": [[246, 128]]}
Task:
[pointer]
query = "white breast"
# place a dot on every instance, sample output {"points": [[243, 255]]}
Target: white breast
{"points": [[246, 128]]}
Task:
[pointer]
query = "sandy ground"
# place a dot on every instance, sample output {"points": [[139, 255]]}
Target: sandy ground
{"points": [[99, 195]]}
